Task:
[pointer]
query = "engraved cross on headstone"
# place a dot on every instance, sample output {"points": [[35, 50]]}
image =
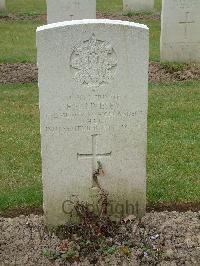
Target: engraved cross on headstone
{"points": [[94, 156], [186, 22]]}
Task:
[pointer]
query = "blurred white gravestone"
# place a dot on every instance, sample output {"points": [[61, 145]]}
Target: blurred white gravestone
{"points": [[180, 31], [137, 5], [93, 77], [62, 10], [2, 4]]}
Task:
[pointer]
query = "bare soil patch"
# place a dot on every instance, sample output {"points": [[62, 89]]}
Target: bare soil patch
{"points": [[18, 73], [27, 72], [158, 207], [160, 72], [167, 238], [174, 206], [131, 18], [100, 15], [21, 17]]}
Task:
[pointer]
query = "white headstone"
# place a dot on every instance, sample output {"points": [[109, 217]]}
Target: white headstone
{"points": [[2, 4], [62, 10], [93, 77], [180, 31], [137, 5]]}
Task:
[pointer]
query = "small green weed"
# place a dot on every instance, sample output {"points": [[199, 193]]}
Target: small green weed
{"points": [[132, 14], [174, 67]]}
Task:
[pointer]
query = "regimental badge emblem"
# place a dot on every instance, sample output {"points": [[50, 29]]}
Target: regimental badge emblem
{"points": [[93, 62]]}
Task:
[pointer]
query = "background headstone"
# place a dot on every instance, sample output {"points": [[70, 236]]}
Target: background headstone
{"points": [[93, 77], [180, 31], [2, 4], [137, 5], [62, 10]]}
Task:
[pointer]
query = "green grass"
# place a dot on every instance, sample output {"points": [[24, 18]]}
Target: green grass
{"points": [[154, 41], [110, 5], [173, 129], [30, 7], [173, 150], [17, 41], [158, 5], [20, 167], [33, 7], [17, 38]]}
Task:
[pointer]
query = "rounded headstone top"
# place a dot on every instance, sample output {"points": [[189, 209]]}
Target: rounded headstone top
{"points": [[92, 21]]}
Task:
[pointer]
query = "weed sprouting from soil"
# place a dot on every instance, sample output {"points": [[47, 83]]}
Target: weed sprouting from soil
{"points": [[92, 237], [96, 235]]}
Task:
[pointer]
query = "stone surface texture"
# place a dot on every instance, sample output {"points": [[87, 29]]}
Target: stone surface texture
{"points": [[180, 31], [2, 4], [137, 5], [93, 77], [62, 10]]}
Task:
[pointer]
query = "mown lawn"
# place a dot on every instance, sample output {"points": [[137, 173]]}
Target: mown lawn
{"points": [[18, 40], [33, 7], [29, 7], [20, 170], [173, 129], [173, 150], [173, 142]]}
